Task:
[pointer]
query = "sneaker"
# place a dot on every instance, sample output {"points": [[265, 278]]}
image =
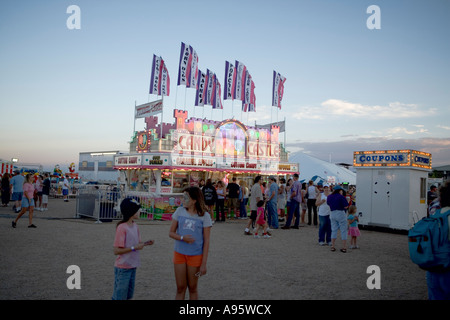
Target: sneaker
{"points": [[266, 236], [248, 233], [13, 224], [256, 236], [321, 243], [32, 226]]}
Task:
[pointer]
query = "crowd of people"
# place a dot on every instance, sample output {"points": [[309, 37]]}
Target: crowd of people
{"points": [[28, 193], [270, 202], [295, 203]]}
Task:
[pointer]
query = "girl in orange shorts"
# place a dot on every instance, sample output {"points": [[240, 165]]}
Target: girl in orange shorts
{"points": [[191, 228]]}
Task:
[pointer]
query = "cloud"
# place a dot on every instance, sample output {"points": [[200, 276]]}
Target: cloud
{"points": [[443, 127], [338, 107], [342, 151], [399, 130]]}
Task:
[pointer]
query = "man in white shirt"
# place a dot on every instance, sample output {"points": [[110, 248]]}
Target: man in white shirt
{"points": [[255, 196], [65, 189]]}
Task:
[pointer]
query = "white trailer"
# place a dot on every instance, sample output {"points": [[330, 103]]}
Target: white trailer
{"points": [[98, 167], [391, 187]]}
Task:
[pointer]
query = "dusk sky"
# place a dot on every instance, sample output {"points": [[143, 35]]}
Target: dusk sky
{"points": [[348, 87]]}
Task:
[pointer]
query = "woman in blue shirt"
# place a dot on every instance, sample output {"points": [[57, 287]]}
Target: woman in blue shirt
{"points": [[338, 204]]}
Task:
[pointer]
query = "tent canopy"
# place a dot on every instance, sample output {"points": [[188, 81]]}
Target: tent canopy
{"points": [[321, 171]]}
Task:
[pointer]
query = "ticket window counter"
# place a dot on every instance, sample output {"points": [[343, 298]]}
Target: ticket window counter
{"points": [[391, 193], [175, 181]]}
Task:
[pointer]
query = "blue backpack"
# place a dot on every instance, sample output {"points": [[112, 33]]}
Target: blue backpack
{"points": [[429, 243]]}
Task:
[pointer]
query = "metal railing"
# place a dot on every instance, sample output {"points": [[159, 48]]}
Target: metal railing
{"points": [[104, 205]]}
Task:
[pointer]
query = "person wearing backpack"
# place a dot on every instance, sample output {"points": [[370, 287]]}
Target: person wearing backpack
{"points": [[439, 282], [210, 196]]}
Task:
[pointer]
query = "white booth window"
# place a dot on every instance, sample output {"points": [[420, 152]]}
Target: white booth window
{"points": [[423, 188]]}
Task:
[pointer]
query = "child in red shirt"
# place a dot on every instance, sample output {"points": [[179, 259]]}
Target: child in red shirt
{"points": [[260, 221]]}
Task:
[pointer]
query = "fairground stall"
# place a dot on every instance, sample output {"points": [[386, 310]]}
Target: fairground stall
{"points": [[190, 151], [165, 158], [391, 187], [6, 167]]}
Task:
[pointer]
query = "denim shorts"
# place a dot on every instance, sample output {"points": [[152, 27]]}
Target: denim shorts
{"points": [[17, 196], [438, 285], [27, 203], [123, 283], [338, 222]]}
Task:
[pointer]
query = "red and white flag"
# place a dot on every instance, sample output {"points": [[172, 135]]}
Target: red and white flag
{"points": [[278, 89], [160, 80]]}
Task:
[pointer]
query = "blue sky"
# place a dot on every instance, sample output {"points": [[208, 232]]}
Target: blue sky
{"points": [[348, 88]]}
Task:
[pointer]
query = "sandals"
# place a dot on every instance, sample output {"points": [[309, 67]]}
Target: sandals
{"points": [[333, 249]]}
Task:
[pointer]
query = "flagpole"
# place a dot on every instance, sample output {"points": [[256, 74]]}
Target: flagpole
{"points": [[134, 116], [162, 114], [277, 113], [232, 108], [176, 94], [271, 114]]}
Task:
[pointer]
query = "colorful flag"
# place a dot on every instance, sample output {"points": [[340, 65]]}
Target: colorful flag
{"points": [[193, 69], [217, 103], [247, 87], [201, 89], [240, 81], [249, 102], [230, 81], [278, 89], [160, 80], [184, 61], [188, 68], [210, 87], [165, 80]]}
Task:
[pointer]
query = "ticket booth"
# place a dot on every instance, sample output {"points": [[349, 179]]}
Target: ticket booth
{"points": [[391, 187]]}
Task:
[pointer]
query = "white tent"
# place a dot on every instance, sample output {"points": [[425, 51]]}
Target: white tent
{"points": [[321, 171]]}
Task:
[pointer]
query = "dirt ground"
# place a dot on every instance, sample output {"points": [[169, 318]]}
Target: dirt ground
{"points": [[289, 266]]}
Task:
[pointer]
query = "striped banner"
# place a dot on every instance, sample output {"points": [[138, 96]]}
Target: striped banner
{"points": [[230, 81], [278, 89]]}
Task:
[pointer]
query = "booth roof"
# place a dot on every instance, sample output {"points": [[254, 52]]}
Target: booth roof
{"points": [[318, 170]]}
